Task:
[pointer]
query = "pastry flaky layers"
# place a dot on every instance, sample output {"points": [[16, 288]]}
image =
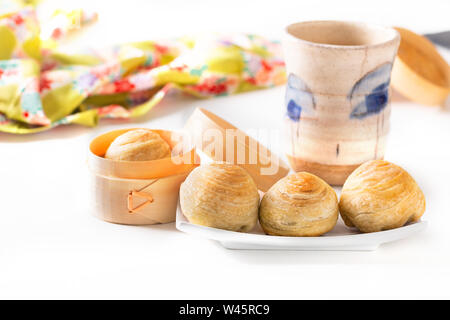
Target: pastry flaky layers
{"points": [[380, 195], [300, 204], [138, 145], [220, 195]]}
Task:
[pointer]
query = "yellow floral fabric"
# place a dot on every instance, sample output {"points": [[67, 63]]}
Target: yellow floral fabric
{"points": [[42, 87]]}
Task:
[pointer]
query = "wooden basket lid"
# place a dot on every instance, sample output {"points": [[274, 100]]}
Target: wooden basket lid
{"points": [[420, 73], [178, 163], [222, 141]]}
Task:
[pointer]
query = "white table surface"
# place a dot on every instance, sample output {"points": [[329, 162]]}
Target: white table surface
{"points": [[51, 247]]}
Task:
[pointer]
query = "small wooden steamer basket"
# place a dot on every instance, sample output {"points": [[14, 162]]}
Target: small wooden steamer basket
{"points": [[137, 192], [218, 139], [420, 73]]}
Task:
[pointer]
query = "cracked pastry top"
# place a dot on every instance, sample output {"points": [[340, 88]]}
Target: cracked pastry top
{"points": [[220, 195], [138, 145], [300, 204], [380, 195]]}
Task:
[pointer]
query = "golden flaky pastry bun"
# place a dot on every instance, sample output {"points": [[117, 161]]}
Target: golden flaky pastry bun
{"points": [[300, 205], [138, 145], [220, 195], [380, 195]]}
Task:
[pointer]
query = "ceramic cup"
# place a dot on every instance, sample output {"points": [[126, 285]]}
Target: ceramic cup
{"points": [[337, 96]]}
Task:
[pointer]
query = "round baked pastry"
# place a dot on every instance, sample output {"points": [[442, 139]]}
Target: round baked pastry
{"points": [[299, 205], [138, 145], [220, 195], [380, 195]]}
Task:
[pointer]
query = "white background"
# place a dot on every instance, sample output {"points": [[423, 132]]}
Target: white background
{"points": [[51, 247]]}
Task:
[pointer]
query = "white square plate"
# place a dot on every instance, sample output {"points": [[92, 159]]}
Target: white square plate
{"points": [[341, 238]]}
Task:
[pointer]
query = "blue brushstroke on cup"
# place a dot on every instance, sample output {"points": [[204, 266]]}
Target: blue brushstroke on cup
{"points": [[298, 98], [294, 111], [371, 93]]}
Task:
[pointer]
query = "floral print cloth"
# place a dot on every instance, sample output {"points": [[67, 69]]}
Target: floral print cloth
{"points": [[42, 87]]}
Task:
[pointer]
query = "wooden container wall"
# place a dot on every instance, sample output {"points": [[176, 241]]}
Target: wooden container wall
{"points": [[137, 192], [420, 73], [203, 120]]}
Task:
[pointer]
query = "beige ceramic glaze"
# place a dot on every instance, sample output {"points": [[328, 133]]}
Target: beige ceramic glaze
{"points": [[337, 96], [137, 192]]}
